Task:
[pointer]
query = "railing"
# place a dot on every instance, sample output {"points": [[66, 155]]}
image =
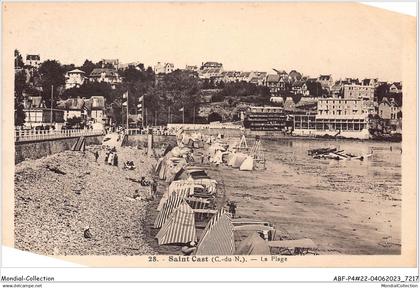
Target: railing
{"points": [[40, 135], [204, 126]]}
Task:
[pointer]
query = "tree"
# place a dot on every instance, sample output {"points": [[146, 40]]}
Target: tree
{"points": [[214, 117], [18, 59], [131, 74], [89, 89], [381, 91], [150, 74], [315, 88], [88, 66], [20, 79], [75, 122], [68, 67], [296, 98], [52, 74], [175, 91], [106, 65]]}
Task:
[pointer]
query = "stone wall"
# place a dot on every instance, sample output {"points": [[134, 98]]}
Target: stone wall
{"points": [[39, 149], [141, 140]]}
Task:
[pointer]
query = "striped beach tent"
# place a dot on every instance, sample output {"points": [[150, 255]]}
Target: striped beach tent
{"points": [[183, 189], [217, 237], [180, 227], [178, 184], [168, 208]]}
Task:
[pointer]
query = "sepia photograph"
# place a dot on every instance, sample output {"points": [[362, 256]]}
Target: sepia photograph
{"points": [[189, 130]]}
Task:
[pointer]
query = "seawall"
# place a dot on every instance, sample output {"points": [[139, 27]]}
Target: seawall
{"points": [[39, 149], [141, 140]]}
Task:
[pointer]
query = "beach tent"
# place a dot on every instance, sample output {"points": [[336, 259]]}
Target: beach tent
{"points": [[239, 158], [178, 185], [179, 228], [197, 202], [181, 188], [247, 164], [168, 208], [159, 165], [167, 149], [231, 159], [253, 245], [217, 237]]}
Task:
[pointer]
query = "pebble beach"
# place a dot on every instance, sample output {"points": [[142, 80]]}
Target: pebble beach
{"points": [[57, 197]]}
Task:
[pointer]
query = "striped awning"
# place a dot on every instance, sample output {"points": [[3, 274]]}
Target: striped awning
{"points": [[181, 184], [217, 238], [180, 227], [183, 189], [168, 208], [197, 203]]}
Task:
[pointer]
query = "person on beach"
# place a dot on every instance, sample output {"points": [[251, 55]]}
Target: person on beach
{"points": [[107, 156], [189, 248], [111, 158], [96, 156], [115, 162], [154, 188], [232, 208], [143, 181]]}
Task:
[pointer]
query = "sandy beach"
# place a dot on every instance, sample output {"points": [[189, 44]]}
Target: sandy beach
{"points": [[351, 208]]}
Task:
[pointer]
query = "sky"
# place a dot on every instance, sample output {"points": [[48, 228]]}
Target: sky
{"points": [[342, 39]]}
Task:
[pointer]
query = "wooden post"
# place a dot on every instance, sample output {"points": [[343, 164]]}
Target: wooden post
{"points": [[150, 142], [127, 111], [52, 95]]}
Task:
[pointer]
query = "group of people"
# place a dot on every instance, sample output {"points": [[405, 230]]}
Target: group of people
{"points": [[151, 183], [111, 157]]}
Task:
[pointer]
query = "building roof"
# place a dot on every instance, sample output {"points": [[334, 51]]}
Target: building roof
{"points": [[110, 61], [295, 74], [298, 83], [389, 102], [211, 70], [71, 104], [337, 86], [210, 63], [281, 72], [324, 77], [97, 72], [76, 71], [398, 85], [33, 57], [273, 78]]}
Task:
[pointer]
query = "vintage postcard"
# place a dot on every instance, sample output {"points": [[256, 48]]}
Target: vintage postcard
{"points": [[210, 134]]}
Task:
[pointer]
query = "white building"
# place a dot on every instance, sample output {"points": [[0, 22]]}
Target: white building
{"points": [[75, 78], [33, 61], [333, 108], [107, 75], [359, 92], [164, 68]]}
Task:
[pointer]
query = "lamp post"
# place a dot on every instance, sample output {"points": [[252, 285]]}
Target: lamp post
{"points": [[51, 105]]}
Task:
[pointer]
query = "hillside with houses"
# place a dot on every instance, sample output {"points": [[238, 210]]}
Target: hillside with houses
{"points": [[51, 95]]}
